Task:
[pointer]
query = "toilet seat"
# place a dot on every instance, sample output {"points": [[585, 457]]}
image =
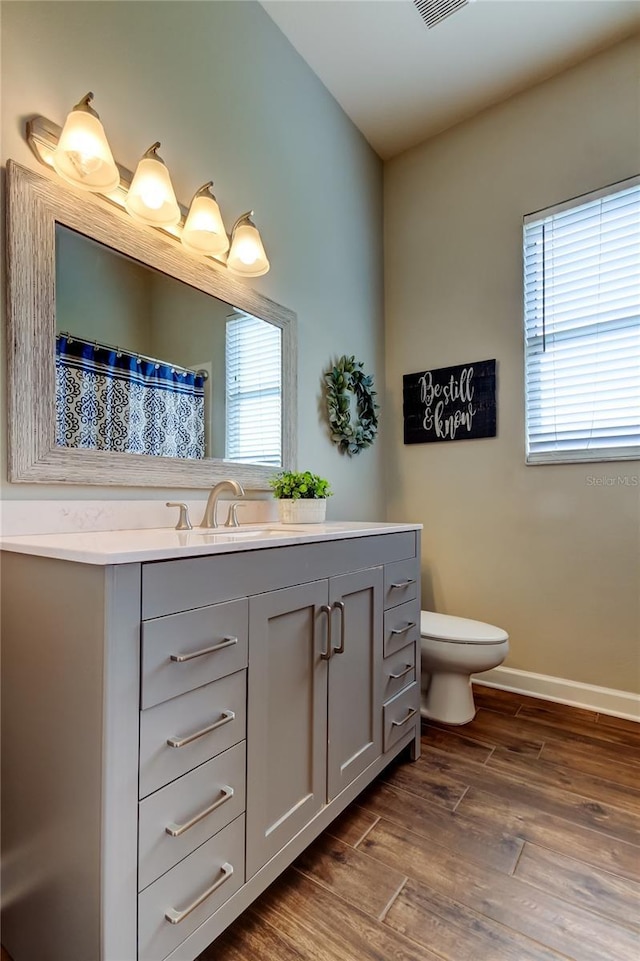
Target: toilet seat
{"points": [[459, 630]]}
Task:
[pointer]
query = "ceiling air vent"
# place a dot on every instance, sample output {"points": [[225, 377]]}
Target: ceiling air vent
{"points": [[434, 12]]}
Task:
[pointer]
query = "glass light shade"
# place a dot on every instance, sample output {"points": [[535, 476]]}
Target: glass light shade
{"points": [[151, 198], [83, 156], [203, 231], [247, 255]]}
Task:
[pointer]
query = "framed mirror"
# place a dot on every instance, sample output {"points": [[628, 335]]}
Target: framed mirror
{"points": [[95, 299]]}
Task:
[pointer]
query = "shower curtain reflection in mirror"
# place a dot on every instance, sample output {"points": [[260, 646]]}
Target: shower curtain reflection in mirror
{"points": [[112, 400]]}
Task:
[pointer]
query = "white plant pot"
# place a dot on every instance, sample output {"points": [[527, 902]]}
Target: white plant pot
{"points": [[312, 510]]}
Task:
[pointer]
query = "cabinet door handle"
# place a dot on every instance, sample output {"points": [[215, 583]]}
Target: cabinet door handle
{"points": [[182, 741], [412, 713], [176, 830], [227, 642], [175, 917], [404, 673], [326, 655], [400, 584], [340, 606], [403, 630]]}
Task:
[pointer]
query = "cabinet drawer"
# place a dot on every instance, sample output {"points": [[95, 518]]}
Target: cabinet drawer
{"points": [[401, 625], [216, 867], [183, 651], [399, 671], [173, 821], [191, 582], [400, 715], [200, 725], [401, 582]]}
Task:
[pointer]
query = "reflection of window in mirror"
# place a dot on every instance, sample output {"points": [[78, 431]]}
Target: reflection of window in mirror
{"points": [[254, 390], [127, 381]]}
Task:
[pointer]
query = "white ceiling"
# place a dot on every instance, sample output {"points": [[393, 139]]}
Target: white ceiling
{"points": [[401, 82]]}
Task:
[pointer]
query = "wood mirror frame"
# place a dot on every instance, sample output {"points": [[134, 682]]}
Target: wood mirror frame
{"points": [[35, 204]]}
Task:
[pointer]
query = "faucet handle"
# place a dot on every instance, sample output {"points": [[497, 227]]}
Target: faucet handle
{"points": [[184, 521], [232, 516]]}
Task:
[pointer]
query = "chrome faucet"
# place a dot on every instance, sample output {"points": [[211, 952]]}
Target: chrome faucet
{"points": [[209, 519]]}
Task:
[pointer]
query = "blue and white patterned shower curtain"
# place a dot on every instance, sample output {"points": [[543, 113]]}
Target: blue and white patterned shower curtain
{"points": [[115, 401]]}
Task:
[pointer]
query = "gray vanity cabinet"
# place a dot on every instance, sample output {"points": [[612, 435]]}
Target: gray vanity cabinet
{"points": [[176, 731], [315, 719]]}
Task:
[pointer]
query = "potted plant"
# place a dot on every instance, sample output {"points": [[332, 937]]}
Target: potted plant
{"points": [[301, 495]]}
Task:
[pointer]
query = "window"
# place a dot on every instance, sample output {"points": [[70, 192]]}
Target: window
{"points": [[582, 328], [254, 394]]}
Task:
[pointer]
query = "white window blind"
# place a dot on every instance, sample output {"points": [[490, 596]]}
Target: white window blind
{"points": [[582, 328], [254, 391]]}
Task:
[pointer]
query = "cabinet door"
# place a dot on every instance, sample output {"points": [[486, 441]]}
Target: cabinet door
{"points": [[355, 697], [287, 730]]}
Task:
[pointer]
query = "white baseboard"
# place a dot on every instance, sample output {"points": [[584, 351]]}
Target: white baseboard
{"points": [[605, 700]]}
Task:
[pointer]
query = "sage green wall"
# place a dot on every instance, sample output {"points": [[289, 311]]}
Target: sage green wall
{"points": [[545, 551], [219, 85]]}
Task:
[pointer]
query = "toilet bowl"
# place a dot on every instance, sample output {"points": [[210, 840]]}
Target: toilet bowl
{"points": [[454, 648]]}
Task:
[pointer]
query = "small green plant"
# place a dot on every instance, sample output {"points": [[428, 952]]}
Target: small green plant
{"points": [[292, 485]]}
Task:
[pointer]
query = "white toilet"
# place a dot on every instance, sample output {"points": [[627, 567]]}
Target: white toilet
{"points": [[454, 648]]}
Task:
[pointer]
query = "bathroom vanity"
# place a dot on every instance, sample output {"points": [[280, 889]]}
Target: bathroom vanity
{"points": [[183, 713]]}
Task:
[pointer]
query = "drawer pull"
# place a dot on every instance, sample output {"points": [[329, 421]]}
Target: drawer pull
{"points": [[182, 741], [403, 630], [175, 917], [404, 673], [412, 713], [340, 606], [400, 584], [227, 642], [176, 830]]}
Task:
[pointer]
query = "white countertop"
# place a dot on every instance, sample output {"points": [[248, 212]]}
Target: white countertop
{"points": [[129, 546]]}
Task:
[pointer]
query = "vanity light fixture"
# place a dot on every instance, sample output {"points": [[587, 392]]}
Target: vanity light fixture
{"points": [[203, 231], [151, 198], [247, 255], [82, 156]]}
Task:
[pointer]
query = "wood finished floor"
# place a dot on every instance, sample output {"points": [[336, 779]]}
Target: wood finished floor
{"points": [[513, 838]]}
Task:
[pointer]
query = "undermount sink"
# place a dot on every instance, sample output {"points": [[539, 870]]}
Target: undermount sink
{"points": [[236, 533], [276, 530], [239, 533]]}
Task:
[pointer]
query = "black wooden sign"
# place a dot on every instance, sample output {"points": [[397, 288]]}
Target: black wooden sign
{"points": [[450, 403]]}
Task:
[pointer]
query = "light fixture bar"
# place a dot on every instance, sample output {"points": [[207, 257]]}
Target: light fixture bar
{"points": [[43, 135]]}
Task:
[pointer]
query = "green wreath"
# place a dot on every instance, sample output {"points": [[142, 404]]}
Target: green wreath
{"points": [[345, 377]]}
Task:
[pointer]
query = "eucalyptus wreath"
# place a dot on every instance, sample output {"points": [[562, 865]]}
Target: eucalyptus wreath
{"points": [[345, 377]]}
